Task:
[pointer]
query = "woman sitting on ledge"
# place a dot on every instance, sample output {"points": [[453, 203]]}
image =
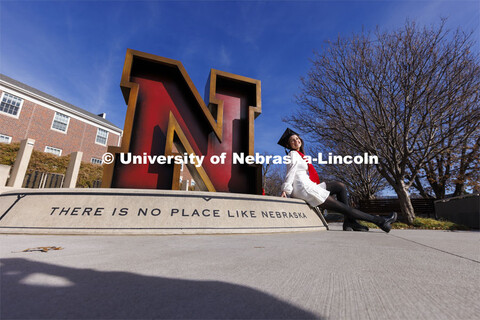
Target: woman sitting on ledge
{"points": [[302, 182]]}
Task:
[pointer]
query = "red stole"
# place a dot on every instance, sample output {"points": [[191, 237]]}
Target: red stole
{"points": [[312, 173]]}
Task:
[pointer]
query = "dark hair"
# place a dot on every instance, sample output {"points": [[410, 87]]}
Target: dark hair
{"points": [[302, 150]]}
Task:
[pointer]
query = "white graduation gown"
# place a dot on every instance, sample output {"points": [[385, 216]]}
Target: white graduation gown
{"points": [[298, 184]]}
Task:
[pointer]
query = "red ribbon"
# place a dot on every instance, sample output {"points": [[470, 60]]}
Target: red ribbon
{"points": [[312, 173]]}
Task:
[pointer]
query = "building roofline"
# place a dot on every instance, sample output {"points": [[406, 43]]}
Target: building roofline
{"points": [[49, 99]]}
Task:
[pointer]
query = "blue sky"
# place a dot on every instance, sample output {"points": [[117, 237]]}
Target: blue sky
{"points": [[75, 50]]}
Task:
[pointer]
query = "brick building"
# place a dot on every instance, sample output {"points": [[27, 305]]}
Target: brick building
{"points": [[56, 126]]}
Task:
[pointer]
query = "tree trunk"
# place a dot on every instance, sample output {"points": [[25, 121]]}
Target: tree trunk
{"points": [[459, 189], [405, 202]]}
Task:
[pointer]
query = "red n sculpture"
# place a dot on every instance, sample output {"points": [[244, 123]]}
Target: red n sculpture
{"points": [[166, 115]]}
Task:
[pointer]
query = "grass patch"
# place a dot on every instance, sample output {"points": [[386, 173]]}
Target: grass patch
{"points": [[424, 224]]}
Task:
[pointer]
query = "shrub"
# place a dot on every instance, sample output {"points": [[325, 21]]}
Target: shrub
{"points": [[47, 162]]}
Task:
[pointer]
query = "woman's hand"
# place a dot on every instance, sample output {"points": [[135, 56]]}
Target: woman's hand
{"points": [[284, 194]]}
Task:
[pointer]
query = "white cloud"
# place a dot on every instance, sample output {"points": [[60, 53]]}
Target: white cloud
{"points": [[225, 57]]}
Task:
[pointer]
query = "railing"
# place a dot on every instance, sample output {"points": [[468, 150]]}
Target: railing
{"points": [[423, 207], [39, 179]]}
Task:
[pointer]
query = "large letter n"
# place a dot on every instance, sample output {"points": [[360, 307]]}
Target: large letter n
{"points": [[166, 115]]}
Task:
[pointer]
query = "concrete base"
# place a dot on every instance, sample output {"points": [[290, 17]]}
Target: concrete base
{"points": [[125, 211]]}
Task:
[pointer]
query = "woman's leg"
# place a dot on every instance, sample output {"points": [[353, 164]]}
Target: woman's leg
{"points": [[350, 213], [340, 191], [337, 206]]}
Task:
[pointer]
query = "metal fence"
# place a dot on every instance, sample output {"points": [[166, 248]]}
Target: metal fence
{"points": [[40, 180], [424, 207]]}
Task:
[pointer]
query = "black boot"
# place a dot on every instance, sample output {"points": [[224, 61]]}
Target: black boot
{"points": [[385, 225], [353, 225]]}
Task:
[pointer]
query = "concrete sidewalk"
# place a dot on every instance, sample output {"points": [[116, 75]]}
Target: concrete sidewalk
{"points": [[407, 274]]}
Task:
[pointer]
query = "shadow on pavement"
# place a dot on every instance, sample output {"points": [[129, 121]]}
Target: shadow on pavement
{"points": [[38, 290]]}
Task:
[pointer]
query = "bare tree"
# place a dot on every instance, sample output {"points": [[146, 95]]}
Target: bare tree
{"points": [[468, 168], [363, 181], [388, 93], [455, 169], [272, 177]]}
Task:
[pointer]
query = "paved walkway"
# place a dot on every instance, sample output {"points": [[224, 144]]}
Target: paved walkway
{"points": [[407, 274]]}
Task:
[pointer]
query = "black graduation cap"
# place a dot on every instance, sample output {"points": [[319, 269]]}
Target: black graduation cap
{"points": [[285, 136]]}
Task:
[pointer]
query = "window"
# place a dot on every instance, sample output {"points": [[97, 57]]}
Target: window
{"points": [[55, 151], [96, 161], [11, 104], [192, 183], [5, 139], [102, 136], [60, 122]]}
